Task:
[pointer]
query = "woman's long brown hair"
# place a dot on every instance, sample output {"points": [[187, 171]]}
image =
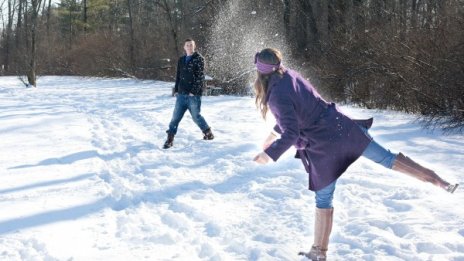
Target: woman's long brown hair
{"points": [[261, 85]]}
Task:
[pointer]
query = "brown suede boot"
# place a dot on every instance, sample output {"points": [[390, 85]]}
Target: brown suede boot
{"points": [[322, 230], [408, 166]]}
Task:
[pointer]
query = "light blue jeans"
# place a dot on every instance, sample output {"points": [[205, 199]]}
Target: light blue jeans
{"points": [[374, 152], [184, 103]]}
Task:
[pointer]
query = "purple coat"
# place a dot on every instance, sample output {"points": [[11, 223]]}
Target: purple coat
{"points": [[328, 141]]}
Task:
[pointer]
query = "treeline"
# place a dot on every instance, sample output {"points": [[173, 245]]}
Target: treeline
{"points": [[404, 55]]}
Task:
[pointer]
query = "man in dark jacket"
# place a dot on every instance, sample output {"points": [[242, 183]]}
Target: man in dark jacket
{"points": [[190, 79]]}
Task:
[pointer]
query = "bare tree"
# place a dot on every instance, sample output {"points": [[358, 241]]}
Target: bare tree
{"points": [[85, 18], [171, 12], [9, 34], [132, 36], [32, 70]]}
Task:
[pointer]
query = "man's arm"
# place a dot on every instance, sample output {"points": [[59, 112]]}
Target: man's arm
{"points": [[198, 76], [176, 86]]}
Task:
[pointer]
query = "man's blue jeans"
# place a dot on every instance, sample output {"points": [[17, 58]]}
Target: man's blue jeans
{"points": [[183, 103], [374, 152]]}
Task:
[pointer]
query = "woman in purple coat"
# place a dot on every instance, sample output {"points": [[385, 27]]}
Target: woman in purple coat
{"points": [[327, 141]]}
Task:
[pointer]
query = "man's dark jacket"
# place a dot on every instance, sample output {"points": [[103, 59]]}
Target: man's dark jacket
{"points": [[190, 76]]}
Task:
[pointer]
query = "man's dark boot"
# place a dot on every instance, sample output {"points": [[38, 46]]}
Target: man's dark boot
{"points": [[169, 142], [208, 135]]}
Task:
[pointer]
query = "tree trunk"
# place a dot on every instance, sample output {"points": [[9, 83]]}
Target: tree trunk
{"points": [[403, 19], [173, 25], [414, 14], [49, 9], [19, 23], [85, 15], [70, 27], [349, 17], [429, 14], [287, 18], [31, 75], [132, 37], [310, 28], [9, 32]]}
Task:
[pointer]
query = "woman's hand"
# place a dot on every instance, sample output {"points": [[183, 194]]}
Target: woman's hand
{"points": [[262, 158], [269, 140]]}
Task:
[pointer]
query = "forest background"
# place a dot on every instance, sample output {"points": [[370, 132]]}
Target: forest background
{"points": [[405, 55]]}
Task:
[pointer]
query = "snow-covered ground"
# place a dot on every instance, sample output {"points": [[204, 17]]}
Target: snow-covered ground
{"points": [[83, 177]]}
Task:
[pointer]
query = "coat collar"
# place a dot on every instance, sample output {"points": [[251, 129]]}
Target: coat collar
{"points": [[194, 54]]}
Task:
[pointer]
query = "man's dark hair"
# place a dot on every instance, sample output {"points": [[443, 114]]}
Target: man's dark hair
{"points": [[188, 40]]}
